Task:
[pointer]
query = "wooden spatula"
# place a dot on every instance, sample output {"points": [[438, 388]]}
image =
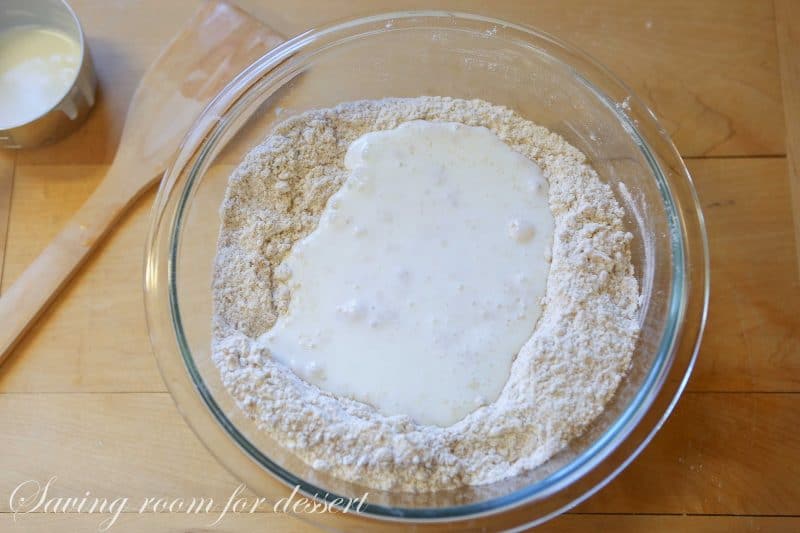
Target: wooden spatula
{"points": [[217, 43]]}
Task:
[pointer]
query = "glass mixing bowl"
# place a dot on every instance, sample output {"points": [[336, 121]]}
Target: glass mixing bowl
{"points": [[435, 53]]}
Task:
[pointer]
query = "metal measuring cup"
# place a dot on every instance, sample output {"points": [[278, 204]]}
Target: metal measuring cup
{"points": [[73, 108]]}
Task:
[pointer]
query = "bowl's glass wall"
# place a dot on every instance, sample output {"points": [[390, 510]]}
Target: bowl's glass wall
{"points": [[403, 58]]}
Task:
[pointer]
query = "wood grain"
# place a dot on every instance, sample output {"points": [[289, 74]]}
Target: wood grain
{"points": [[152, 453], [217, 42], [788, 30], [708, 69], [752, 340], [261, 523], [82, 398], [720, 453], [7, 164], [94, 337]]}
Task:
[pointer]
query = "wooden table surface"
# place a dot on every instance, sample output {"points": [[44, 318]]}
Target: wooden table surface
{"points": [[82, 399]]}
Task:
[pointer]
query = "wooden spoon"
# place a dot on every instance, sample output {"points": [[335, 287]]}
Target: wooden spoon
{"points": [[217, 43]]}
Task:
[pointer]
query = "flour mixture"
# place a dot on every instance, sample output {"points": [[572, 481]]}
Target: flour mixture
{"points": [[419, 294]]}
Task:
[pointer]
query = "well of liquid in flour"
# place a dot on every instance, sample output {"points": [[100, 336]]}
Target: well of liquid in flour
{"points": [[37, 68], [424, 276]]}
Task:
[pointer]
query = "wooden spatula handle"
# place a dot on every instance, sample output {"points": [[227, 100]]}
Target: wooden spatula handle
{"points": [[41, 282]]}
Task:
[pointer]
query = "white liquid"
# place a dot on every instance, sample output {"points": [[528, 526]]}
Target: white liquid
{"points": [[37, 68], [423, 278]]}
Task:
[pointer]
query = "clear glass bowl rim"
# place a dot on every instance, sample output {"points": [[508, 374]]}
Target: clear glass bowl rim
{"points": [[211, 126]]}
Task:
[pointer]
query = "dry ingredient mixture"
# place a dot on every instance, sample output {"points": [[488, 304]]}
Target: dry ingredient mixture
{"points": [[559, 382]]}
